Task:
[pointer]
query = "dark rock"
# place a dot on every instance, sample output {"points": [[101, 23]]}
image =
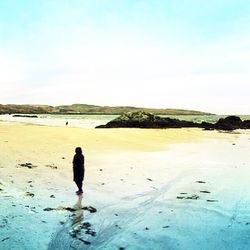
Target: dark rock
{"points": [[28, 116], [207, 125], [73, 234], [212, 200], [148, 120], [200, 182], [193, 197], [29, 194], [205, 192], [90, 209], [51, 166], [86, 225], [166, 227], [52, 196], [48, 209], [246, 124], [90, 232], [180, 197], [70, 209], [229, 123], [149, 179], [27, 165]]}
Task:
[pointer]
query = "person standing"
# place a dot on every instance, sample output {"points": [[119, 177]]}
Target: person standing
{"points": [[78, 169]]}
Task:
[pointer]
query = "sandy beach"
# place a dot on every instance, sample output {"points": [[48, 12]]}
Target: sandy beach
{"points": [[152, 189]]}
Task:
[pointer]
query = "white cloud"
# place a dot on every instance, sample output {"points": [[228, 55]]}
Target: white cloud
{"points": [[120, 71], [14, 71]]}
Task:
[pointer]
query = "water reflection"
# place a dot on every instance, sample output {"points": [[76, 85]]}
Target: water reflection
{"points": [[77, 216], [68, 235]]}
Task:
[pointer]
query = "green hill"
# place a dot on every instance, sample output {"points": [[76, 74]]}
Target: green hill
{"points": [[88, 109]]}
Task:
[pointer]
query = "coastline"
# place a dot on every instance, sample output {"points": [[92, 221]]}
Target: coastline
{"points": [[133, 179], [92, 121]]}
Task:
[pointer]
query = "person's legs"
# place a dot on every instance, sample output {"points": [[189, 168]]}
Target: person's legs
{"points": [[79, 185]]}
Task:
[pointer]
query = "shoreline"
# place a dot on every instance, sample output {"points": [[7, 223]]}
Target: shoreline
{"points": [[93, 121]]}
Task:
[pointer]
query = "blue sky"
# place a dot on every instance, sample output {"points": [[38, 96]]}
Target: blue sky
{"points": [[173, 54]]}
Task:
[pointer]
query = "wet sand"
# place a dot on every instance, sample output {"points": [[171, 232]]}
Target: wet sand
{"points": [[152, 189]]}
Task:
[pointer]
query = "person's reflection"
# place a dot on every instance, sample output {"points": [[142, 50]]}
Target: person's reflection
{"points": [[77, 215]]}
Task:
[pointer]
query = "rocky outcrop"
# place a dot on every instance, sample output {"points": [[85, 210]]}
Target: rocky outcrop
{"points": [[229, 123], [246, 124], [27, 116], [145, 120], [148, 120]]}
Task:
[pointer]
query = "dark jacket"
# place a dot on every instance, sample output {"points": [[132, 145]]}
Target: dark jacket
{"points": [[78, 167]]}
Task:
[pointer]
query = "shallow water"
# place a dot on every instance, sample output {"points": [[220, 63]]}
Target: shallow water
{"points": [[91, 121], [85, 121]]}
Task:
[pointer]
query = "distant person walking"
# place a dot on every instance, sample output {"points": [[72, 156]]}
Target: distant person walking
{"points": [[78, 169]]}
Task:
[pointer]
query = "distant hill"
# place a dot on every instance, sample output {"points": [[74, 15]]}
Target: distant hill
{"points": [[88, 109]]}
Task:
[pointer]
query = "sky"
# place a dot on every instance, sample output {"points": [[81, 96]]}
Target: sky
{"points": [[189, 54]]}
